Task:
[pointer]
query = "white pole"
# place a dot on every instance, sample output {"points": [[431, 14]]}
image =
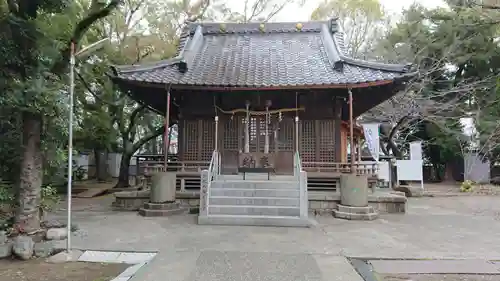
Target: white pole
{"points": [[70, 141]]}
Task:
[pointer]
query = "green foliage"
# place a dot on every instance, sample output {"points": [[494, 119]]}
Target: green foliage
{"points": [[467, 186], [458, 59], [50, 198]]}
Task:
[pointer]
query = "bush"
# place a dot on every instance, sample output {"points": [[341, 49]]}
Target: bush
{"points": [[467, 186]]}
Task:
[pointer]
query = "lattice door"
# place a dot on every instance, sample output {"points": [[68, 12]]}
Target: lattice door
{"points": [[190, 139], [207, 140], [285, 136], [326, 141], [308, 141]]}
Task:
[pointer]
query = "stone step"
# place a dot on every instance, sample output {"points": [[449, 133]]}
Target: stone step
{"points": [[258, 176], [258, 201], [161, 213], [253, 210], [257, 192], [284, 221], [356, 217], [355, 210], [257, 184], [161, 206]]}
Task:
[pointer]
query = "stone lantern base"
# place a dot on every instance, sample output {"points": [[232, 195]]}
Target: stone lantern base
{"points": [[354, 199], [162, 197]]}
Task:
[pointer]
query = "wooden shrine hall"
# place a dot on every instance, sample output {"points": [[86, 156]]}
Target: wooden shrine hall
{"points": [[258, 93]]}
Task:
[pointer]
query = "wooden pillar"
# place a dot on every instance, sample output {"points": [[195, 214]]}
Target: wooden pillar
{"points": [[180, 139], [338, 130], [266, 140], [247, 128], [351, 133], [166, 139]]}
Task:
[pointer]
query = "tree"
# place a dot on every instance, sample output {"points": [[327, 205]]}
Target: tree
{"points": [[145, 31], [364, 22], [32, 72], [249, 10], [456, 56]]}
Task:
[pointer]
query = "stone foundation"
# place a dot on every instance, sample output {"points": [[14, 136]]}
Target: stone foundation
{"points": [[324, 203], [161, 209], [355, 213], [319, 202], [135, 200], [130, 200]]}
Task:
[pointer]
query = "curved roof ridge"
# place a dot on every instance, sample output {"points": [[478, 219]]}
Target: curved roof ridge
{"points": [[146, 66], [369, 64]]}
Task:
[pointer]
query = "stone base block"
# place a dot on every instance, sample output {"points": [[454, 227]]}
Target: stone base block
{"points": [[355, 210], [354, 216], [161, 213], [254, 220]]}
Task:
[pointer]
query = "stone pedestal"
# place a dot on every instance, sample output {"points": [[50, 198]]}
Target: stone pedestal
{"points": [[163, 187], [353, 190], [162, 197], [161, 209], [354, 199], [355, 213]]}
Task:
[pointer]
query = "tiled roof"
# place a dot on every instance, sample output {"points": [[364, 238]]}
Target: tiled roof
{"points": [[261, 55]]}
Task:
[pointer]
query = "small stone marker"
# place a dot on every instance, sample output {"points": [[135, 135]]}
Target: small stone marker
{"points": [[23, 247]]}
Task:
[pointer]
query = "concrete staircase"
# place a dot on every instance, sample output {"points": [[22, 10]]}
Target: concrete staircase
{"points": [[257, 200]]}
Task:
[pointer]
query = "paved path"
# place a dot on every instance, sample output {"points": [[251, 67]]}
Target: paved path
{"points": [[455, 227]]}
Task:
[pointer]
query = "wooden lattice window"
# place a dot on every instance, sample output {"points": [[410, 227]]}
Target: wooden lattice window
{"points": [[254, 134], [308, 141], [230, 140], [326, 141], [190, 138], [286, 134], [207, 140]]}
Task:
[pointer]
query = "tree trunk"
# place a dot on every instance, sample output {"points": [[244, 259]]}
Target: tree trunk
{"points": [[101, 167], [123, 177], [31, 175]]}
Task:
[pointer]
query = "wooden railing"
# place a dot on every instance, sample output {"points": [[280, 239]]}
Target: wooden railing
{"points": [[150, 167], [326, 167]]}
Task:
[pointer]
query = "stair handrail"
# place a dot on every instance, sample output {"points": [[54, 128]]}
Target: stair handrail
{"points": [[297, 164], [207, 177], [301, 177]]}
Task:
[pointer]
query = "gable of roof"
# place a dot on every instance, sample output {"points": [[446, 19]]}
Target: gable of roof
{"points": [[261, 55]]}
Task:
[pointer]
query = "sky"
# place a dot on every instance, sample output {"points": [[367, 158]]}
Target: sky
{"points": [[294, 12]]}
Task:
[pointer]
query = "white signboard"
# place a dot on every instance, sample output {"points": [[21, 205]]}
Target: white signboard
{"points": [[416, 150], [372, 138]]}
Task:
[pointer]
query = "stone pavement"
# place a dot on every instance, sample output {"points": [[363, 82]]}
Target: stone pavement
{"points": [[437, 228]]}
